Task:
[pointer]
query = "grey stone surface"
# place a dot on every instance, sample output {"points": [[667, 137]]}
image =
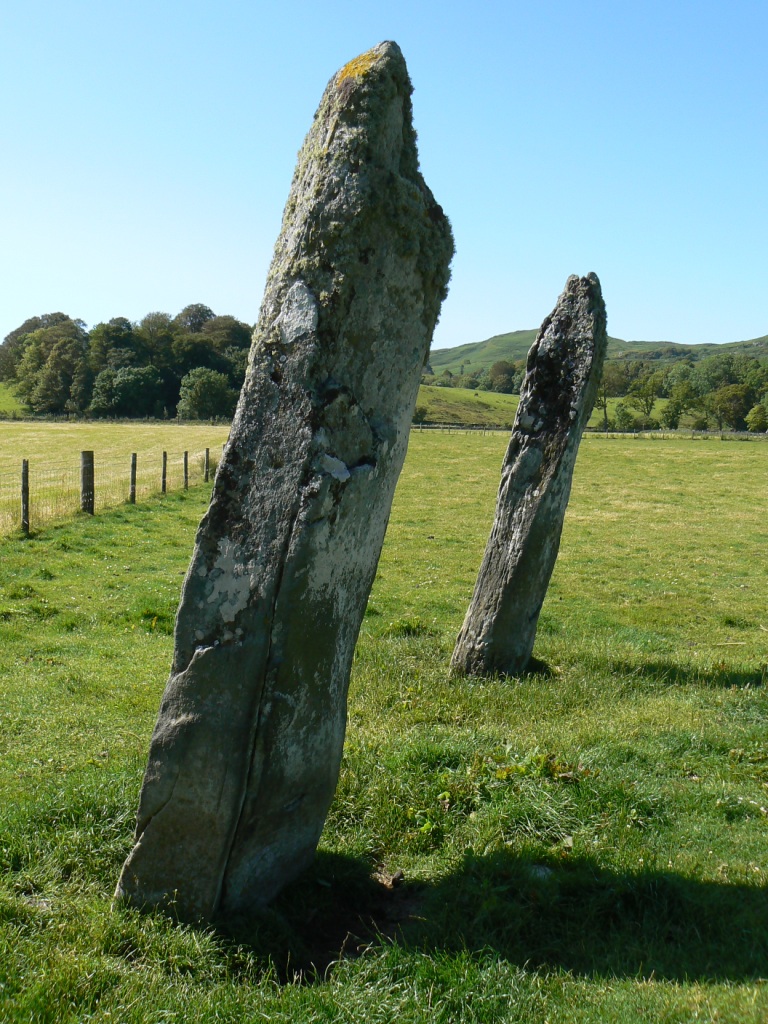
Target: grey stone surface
{"points": [[556, 400], [245, 755]]}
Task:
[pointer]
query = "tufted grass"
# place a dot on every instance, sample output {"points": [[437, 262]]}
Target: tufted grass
{"points": [[583, 844]]}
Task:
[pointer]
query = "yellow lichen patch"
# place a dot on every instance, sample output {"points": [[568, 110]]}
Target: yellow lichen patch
{"points": [[357, 67]]}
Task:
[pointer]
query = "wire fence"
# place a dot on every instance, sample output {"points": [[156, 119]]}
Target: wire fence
{"points": [[32, 494]]}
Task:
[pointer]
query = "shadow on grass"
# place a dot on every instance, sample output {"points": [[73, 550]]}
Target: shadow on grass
{"points": [[537, 667], [571, 915], [661, 671]]}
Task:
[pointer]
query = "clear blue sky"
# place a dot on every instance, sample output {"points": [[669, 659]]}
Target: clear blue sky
{"points": [[148, 148]]}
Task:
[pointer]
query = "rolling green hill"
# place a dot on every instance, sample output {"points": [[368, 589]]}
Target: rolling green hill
{"points": [[514, 346]]}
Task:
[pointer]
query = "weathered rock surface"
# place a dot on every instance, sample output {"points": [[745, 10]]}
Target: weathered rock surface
{"points": [[556, 400], [245, 755]]}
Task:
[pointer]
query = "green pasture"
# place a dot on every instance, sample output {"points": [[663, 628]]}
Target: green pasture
{"points": [[59, 444], [585, 843], [462, 406], [53, 453], [9, 403]]}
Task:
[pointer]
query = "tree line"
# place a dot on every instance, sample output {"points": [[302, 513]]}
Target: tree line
{"points": [[723, 391], [191, 365]]}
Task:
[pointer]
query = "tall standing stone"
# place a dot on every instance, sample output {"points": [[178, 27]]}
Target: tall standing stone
{"points": [[245, 755], [556, 400]]}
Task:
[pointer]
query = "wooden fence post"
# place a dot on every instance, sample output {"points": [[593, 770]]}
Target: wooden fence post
{"points": [[132, 492], [25, 497], [87, 495], [207, 463], [186, 471], [164, 479]]}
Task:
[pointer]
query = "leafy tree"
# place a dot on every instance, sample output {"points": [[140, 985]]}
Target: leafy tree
{"points": [[54, 381], [115, 344], [503, 377], [750, 372], [682, 399], [237, 364], [50, 364], [193, 318], [643, 392], [157, 334], [138, 391], [58, 367], [103, 398], [12, 348], [81, 388], [612, 384], [714, 372], [757, 419], [132, 391], [226, 332], [192, 350], [729, 405], [205, 394], [625, 418]]}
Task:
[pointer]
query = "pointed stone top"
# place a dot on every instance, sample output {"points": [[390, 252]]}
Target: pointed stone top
{"points": [[360, 66], [561, 379], [363, 92], [360, 153]]}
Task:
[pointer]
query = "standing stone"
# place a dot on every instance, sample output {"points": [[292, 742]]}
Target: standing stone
{"points": [[245, 755], [556, 400]]}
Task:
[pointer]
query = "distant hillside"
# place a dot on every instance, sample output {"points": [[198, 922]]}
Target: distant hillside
{"points": [[514, 346]]}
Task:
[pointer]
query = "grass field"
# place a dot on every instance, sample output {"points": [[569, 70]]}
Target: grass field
{"points": [[53, 451], [582, 844], [486, 408], [460, 405], [9, 403]]}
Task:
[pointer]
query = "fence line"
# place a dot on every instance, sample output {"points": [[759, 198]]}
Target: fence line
{"points": [[32, 495]]}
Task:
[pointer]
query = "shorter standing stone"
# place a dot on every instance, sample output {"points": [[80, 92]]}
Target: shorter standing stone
{"points": [[556, 400]]}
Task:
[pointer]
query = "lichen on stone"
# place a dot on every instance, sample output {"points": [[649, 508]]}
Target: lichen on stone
{"points": [[359, 66]]}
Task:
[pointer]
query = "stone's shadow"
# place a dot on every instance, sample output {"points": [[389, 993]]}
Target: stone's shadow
{"points": [[567, 915], [670, 672], [334, 911], [574, 915], [537, 667]]}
